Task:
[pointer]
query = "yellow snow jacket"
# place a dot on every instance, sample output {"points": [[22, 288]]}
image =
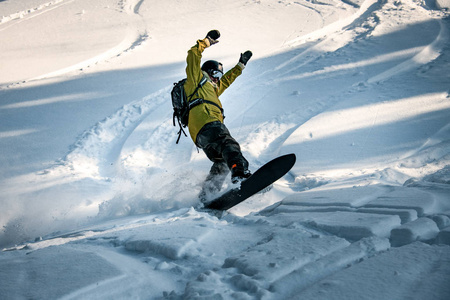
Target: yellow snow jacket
{"points": [[205, 113]]}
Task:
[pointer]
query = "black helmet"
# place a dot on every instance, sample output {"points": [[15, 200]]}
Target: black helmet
{"points": [[213, 68]]}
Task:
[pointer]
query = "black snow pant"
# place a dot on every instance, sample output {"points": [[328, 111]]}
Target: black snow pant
{"points": [[223, 150]]}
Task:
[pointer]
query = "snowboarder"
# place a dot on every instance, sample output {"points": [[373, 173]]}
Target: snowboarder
{"points": [[206, 126]]}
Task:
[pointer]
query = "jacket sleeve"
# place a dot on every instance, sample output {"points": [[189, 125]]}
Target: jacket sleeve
{"points": [[193, 70], [229, 77]]}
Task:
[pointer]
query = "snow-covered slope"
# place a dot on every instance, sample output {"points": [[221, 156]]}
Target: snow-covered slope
{"points": [[96, 199]]}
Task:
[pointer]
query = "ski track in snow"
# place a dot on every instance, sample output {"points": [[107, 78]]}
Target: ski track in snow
{"points": [[305, 241], [32, 12], [136, 33]]}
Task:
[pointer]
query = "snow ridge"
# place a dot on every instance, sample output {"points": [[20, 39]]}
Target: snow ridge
{"points": [[103, 143], [425, 56]]}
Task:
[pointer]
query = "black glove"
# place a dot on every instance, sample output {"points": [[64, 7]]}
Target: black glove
{"points": [[213, 36], [245, 57]]}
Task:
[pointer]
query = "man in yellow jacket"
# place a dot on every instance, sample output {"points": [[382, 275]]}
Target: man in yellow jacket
{"points": [[205, 124]]}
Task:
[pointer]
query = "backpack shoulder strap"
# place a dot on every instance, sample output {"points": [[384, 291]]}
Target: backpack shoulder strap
{"points": [[200, 84]]}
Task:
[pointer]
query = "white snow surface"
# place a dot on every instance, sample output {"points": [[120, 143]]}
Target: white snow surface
{"points": [[98, 202]]}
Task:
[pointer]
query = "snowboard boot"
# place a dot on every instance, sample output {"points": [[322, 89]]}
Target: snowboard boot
{"points": [[239, 174]]}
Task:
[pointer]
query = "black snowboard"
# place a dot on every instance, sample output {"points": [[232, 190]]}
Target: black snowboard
{"points": [[262, 178]]}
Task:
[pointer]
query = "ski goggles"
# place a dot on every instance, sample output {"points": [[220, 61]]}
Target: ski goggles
{"points": [[216, 74]]}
